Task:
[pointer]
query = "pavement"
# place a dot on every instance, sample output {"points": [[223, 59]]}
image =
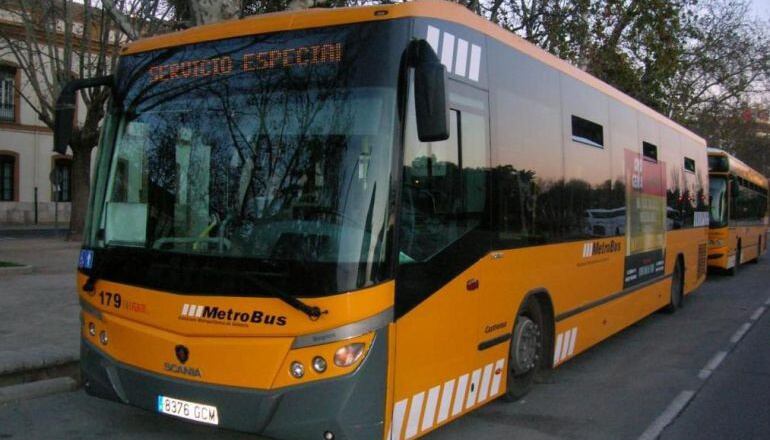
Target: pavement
{"points": [[39, 324], [703, 372]]}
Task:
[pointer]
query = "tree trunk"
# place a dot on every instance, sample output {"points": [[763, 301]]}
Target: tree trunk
{"points": [[81, 172]]}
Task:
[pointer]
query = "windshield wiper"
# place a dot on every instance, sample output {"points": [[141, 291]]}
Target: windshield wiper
{"points": [[313, 312]]}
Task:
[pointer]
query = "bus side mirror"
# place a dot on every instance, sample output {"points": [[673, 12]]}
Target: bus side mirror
{"points": [[65, 109], [430, 97]]}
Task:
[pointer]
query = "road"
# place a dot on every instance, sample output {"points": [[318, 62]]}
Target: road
{"points": [[703, 373]]}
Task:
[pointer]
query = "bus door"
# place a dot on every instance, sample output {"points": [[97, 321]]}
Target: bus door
{"points": [[442, 235]]}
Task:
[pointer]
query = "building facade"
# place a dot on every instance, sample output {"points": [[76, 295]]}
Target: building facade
{"points": [[35, 183]]}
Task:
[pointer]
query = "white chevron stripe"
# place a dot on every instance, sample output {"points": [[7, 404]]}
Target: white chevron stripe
{"points": [[496, 380], [446, 400], [557, 350], [565, 345], [414, 415], [462, 383], [398, 419], [474, 389], [430, 408], [475, 63], [199, 312], [185, 308], [485, 379], [461, 63], [433, 35], [572, 342], [447, 50]]}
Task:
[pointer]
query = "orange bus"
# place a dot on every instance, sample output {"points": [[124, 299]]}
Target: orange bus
{"points": [[738, 216], [366, 222]]}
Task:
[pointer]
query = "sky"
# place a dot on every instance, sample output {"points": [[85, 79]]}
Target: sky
{"points": [[761, 8]]}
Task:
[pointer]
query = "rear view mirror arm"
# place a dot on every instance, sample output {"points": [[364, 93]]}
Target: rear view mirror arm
{"points": [[65, 108]]}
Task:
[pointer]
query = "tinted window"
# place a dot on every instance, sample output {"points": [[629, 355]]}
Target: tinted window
{"points": [[587, 132], [650, 151], [689, 165]]}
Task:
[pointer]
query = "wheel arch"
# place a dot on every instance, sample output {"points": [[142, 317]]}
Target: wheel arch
{"points": [[543, 298]]}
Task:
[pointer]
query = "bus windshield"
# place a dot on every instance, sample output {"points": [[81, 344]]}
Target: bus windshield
{"points": [[276, 149], [718, 202]]}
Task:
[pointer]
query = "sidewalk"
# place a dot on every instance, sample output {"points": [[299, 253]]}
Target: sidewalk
{"points": [[39, 324]]}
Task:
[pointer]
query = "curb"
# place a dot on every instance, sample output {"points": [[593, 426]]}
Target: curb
{"points": [[16, 270], [26, 369], [36, 389]]}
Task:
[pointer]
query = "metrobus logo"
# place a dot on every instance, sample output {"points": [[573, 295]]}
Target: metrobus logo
{"points": [[599, 248], [230, 316]]}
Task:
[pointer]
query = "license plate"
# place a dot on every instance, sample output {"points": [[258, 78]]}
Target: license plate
{"points": [[188, 410]]}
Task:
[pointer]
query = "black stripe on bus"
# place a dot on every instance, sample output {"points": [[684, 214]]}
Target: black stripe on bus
{"points": [[606, 299], [494, 341]]}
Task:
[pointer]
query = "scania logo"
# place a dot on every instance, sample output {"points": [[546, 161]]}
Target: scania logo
{"points": [[182, 353], [181, 369]]}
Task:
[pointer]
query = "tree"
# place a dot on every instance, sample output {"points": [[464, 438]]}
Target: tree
{"points": [[56, 41]]}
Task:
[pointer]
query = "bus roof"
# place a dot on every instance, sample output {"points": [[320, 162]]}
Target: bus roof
{"points": [[739, 168], [438, 9]]}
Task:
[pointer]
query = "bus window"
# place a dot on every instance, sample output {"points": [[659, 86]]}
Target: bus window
{"points": [[474, 161], [431, 194], [444, 186]]}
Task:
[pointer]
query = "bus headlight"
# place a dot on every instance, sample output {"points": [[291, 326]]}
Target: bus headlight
{"points": [[297, 370], [91, 329], [348, 355], [319, 364], [103, 337]]}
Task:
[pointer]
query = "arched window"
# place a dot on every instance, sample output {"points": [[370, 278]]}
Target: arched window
{"points": [[7, 178], [62, 189]]}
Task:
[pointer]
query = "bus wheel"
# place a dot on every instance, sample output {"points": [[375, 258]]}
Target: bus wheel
{"points": [[526, 355], [677, 288], [733, 271]]}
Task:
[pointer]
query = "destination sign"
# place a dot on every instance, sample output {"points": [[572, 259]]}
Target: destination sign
{"points": [[327, 53]]}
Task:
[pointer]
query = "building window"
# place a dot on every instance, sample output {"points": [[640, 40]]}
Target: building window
{"points": [[689, 164], [587, 132], [7, 94], [62, 188], [7, 178], [650, 151]]}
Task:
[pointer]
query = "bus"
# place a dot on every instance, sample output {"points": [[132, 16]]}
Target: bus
{"points": [[738, 217], [367, 222]]}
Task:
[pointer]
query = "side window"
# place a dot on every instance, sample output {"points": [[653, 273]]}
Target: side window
{"points": [[444, 186], [474, 162]]}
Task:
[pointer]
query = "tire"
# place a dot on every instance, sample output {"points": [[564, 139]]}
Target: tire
{"points": [[676, 298], [528, 340], [733, 271]]}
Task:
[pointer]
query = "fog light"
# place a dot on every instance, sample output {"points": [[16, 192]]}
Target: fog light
{"points": [[297, 370], [319, 364], [91, 329], [348, 355], [103, 337]]}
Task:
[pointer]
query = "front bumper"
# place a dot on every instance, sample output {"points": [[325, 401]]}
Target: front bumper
{"points": [[351, 407]]}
